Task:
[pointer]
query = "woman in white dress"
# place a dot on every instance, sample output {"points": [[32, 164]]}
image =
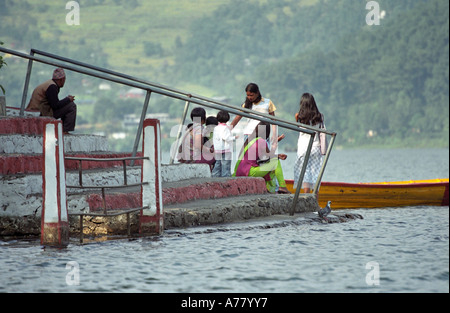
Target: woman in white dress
{"points": [[254, 101], [308, 114]]}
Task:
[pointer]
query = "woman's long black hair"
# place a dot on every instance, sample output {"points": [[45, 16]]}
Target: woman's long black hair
{"points": [[309, 113], [252, 87]]}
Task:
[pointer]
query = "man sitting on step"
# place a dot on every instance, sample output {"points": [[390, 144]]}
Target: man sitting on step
{"points": [[45, 100]]}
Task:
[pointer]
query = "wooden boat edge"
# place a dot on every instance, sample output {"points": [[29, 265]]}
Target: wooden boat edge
{"points": [[438, 190]]}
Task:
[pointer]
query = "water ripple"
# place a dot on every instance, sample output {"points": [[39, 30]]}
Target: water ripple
{"points": [[410, 252]]}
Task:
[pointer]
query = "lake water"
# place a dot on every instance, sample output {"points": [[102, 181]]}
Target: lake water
{"points": [[390, 250], [373, 165]]}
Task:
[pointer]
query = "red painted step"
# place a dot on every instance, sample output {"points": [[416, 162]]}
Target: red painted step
{"points": [[23, 125], [11, 164], [182, 194]]}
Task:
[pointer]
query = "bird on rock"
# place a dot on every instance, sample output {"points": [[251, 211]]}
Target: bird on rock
{"points": [[325, 211]]}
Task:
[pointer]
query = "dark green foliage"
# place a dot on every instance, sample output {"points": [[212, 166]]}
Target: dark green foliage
{"points": [[373, 83], [381, 84]]}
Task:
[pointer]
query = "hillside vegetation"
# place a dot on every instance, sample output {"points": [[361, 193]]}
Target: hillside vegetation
{"points": [[381, 85]]}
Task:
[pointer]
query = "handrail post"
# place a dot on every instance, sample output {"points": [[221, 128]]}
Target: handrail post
{"points": [[322, 170], [177, 142], [125, 180], [302, 174], [151, 220], [128, 225], [141, 124], [54, 216], [104, 201], [81, 228], [80, 172], [25, 86]]}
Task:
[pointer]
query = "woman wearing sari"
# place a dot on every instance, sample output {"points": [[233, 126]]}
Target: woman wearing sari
{"points": [[256, 160]]}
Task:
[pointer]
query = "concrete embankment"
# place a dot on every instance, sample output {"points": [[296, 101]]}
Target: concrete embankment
{"points": [[219, 211], [193, 202], [190, 196]]}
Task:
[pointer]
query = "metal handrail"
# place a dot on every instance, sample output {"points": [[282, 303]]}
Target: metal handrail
{"points": [[123, 159], [170, 89], [80, 168], [148, 94], [127, 212], [176, 94], [108, 187], [150, 87], [106, 159], [126, 185]]}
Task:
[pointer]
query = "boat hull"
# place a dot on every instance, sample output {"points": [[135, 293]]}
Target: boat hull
{"points": [[433, 192]]}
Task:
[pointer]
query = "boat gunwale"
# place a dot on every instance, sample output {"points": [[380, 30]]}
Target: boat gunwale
{"points": [[440, 185], [395, 185]]}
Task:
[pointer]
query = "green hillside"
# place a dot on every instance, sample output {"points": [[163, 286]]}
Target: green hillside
{"points": [[383, 85], [117, 30]]}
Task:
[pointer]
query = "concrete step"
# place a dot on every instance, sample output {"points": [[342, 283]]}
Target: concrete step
{"points": [[211, 188], [236, 208], [190, 190], [31, 164], [15, 164], [177, 176], [29, 125], [13, 111], [22, 196], [21, 165], [21, 148], [32, 144]]}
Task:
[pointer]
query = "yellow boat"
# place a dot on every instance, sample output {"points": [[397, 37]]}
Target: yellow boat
{"points": [[432, 192]]}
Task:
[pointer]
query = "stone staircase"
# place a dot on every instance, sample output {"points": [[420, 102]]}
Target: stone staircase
{"points": [[21, 165], [21, 146]]}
